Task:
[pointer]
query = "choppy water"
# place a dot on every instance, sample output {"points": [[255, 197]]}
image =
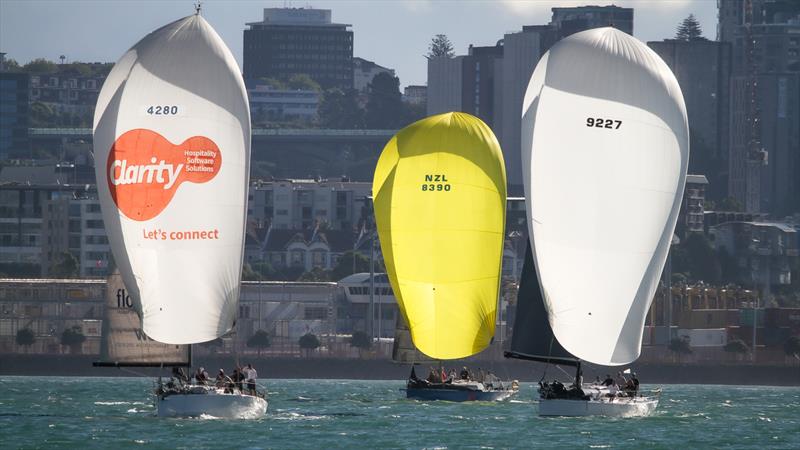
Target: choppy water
{"points": [[60, 412]]}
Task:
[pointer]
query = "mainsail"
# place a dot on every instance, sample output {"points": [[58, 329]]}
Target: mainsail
{"points": [[403, 350], [533, 337], [172, 151], [124, 343], [605, 152], [440, 199]]}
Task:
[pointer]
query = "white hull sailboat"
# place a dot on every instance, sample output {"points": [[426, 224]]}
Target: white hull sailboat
{"points": [[205, 401], [611, 407], [604, 131], [172, 153]]}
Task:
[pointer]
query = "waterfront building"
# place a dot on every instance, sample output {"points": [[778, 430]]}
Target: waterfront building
{"points": [[42, 219], [304, 250], [691, 215], [355, 312], [764, 251], [291, 41], [415, 94], [67, 92], [14, 115], [286, 310], [299, 204], [269, 104], [47, 307]]}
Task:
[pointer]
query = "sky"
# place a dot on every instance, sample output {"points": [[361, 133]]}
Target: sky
{"points": [[392, 33]]}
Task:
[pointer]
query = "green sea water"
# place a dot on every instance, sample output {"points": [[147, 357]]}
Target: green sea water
{"points": [[116, 413]]}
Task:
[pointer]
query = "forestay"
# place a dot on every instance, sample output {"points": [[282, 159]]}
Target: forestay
{"points": [[172, 149], [605, 148], [440, 198]]}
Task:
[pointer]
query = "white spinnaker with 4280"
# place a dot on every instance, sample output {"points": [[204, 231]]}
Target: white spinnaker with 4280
{"points": [[172, 151], [605, 146]]}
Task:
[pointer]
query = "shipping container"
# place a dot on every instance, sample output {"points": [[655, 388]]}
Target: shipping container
{"points": [[707, 318], [746, 317], [745, 333], [775, 337], [715, 337]]}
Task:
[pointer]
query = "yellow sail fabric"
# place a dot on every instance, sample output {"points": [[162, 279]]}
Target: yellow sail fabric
{"points": [[440, 204]]}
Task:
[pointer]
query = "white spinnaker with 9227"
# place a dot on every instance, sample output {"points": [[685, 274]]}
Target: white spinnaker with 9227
{"points": [[605, 146]]}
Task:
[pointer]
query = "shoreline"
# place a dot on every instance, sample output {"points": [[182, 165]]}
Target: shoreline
{"points": [[382, 369]]}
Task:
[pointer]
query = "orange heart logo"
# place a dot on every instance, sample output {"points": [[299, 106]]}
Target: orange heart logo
{"points": [[144, 170]]}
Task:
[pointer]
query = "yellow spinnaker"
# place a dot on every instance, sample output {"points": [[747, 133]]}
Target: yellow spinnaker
{"points": [[440, 207]]}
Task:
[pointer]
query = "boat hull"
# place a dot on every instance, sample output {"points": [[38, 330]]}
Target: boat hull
{"points": [[456, 395], [227, 406], [627, 407]]}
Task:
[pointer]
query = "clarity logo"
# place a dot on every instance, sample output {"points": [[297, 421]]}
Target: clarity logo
{"points": [[145, 170]]}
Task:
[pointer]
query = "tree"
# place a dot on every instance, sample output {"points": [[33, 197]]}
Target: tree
{"points": [[385, 103], [301, 81], [248, 274], [703, 263], [67, 266], [361, 341], [339, 110], [260, 340], [737, 347], [792, 347], [440, 47], [351, 262], [680, 347], [25, 337], [40, 65], [11, 65], [689, 30], [315, 275], [309, 342], [729, 204], [73, 338]]}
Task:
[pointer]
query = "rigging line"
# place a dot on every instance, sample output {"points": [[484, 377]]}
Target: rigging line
{"points": [[549, 358], [563, 371]]}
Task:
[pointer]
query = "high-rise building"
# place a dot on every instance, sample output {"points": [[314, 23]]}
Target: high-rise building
{"points": [[764, 156], [293, 41], [465, 83], [567, 21], [14, 115], [490, 82], [703, 70]]}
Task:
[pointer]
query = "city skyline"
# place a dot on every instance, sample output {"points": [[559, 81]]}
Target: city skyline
{"points": [[29, 29]]}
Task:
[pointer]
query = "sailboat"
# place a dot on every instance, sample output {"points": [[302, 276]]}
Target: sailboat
{"points": [[172, 150], [440, 197], [605, 153]]}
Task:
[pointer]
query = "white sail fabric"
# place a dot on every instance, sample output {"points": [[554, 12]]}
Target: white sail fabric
{"points": [[602, 199], [172, 151], [124, 343]]}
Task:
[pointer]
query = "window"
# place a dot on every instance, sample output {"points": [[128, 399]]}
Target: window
{"points": [[315, 313]]}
